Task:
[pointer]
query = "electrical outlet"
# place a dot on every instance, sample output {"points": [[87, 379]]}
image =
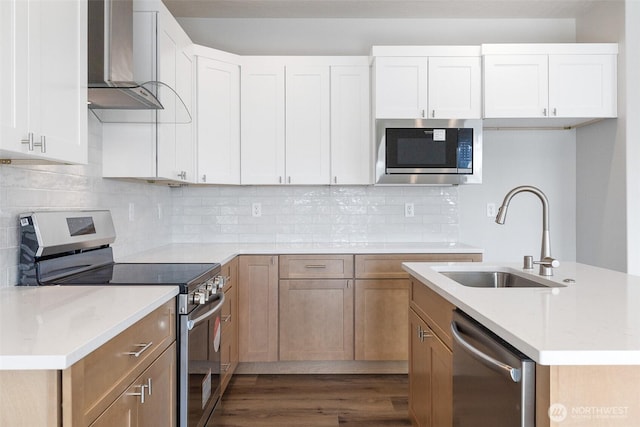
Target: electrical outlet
{"points": [[491, 210], [256, 209], [409, 210], [132, 212]]}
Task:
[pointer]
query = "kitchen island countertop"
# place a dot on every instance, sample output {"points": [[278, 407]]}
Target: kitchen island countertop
{"points": [[53, 327], [594, 321]]}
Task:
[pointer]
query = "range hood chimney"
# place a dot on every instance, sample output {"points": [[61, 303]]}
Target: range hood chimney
{"points": [[110, 43]]}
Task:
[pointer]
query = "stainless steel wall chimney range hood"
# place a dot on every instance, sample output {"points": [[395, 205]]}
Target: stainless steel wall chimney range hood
{"points": [[112, 89]]}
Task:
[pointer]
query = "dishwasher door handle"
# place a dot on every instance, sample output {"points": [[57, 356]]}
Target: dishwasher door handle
{"points": [[514, 373]]}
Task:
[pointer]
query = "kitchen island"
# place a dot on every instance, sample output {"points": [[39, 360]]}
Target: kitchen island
{"points": [[584, 336]]}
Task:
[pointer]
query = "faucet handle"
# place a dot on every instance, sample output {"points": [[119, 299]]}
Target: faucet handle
{"points": [[548, 262], [527, 262]]}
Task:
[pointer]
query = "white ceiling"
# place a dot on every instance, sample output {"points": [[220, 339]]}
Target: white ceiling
{"points": [[381, 8]]}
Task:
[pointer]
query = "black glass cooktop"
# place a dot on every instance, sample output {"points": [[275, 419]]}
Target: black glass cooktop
{"points": [[181, 275]]}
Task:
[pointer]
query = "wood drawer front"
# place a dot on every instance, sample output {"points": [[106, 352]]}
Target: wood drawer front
{"points": [[108, 371], [389, 266], [434, 310], [316, 266]]}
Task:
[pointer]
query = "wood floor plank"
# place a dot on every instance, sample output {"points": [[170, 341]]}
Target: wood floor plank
{"points": [[314, 401]]}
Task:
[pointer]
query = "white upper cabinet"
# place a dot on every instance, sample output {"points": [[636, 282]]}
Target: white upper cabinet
{"points": [[400, 87], [550, 81], [583, 85], [307, 125], [350, 126], [427, 82], [43, 80], [262, 106], [455, 87], [218, 119], [305, 121], [156, 145]]}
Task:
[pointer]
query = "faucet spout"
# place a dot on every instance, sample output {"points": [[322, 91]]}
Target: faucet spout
{"points": [[545, 250]]}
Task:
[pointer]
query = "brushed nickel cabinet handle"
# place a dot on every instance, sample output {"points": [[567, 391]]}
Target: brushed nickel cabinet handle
{"points": [[225, 367], [315, 266], [28, 141], [141, 393], [144, 348], [226, 318]]}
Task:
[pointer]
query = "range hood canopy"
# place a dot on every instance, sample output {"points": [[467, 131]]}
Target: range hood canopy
{"points": [[113, 94]]}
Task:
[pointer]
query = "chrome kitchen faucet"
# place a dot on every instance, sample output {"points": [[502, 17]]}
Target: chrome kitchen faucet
{"points": [[546, 261]]}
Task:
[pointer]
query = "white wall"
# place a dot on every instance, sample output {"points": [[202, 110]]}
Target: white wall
{"points": [[356, 36], [28, 188], [542, 158], [602, 152]]}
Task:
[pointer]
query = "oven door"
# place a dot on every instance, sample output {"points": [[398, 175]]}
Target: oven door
{"points": [[421, 150], [199, 371]]}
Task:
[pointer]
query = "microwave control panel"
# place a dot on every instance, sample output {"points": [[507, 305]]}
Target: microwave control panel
{"points": [[465, 150]]}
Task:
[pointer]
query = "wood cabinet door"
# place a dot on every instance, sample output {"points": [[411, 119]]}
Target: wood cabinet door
{"points": [[582, 86], [419, 372], [262, 110], [218, 121], [161, 403], [400, 87], [316, 319], [455, 88], [516, 86], [307, 125], [381, 316], [258, 308], [441, 383], [350, 126]]}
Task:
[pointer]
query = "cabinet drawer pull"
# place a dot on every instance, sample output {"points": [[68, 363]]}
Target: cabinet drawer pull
{"points": [[141, 393], [226, 318], [28, 141], [149, 385], [315, 266], [144, 348]]}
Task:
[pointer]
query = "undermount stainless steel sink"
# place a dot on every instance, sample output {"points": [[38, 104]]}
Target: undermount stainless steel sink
{"points": [[495, 279]]}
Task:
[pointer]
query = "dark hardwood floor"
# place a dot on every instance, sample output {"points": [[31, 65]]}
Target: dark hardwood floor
{"points": [[314, 401]]}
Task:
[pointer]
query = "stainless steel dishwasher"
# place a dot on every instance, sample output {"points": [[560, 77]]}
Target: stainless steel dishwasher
{"points": [[493, 383]]}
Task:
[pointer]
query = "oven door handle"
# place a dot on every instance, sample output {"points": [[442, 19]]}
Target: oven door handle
{"points": [[514, 373], [192, 323]]}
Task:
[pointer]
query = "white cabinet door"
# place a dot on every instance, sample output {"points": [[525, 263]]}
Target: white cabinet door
{"points": [[350, 129], [218, 121], [185, 142], [400, 87], [516, 86], [168, 50], [44, 80], [454, 87], [582, 86], [307, 125], [263, 106]]}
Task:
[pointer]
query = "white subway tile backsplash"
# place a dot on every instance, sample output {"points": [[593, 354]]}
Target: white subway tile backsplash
{"points": [[319, 214]]}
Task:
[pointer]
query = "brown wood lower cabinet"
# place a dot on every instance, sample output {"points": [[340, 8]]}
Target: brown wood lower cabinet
{"points": [[381, 312], [316, 319], [430, 360], [229, 351], [258, 308], [150, 400]]}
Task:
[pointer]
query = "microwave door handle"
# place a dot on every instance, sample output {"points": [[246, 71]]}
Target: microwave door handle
{"points": [[514, 373]]}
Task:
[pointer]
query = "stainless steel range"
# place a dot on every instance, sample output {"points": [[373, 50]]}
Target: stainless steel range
{"points": [[73, 248]]}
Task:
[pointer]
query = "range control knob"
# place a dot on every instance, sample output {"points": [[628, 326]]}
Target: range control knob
{"points": [[220, 281], [199, 297]]}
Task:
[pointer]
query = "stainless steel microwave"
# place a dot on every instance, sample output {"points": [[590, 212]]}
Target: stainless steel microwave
{"points": [[428, 152]]}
